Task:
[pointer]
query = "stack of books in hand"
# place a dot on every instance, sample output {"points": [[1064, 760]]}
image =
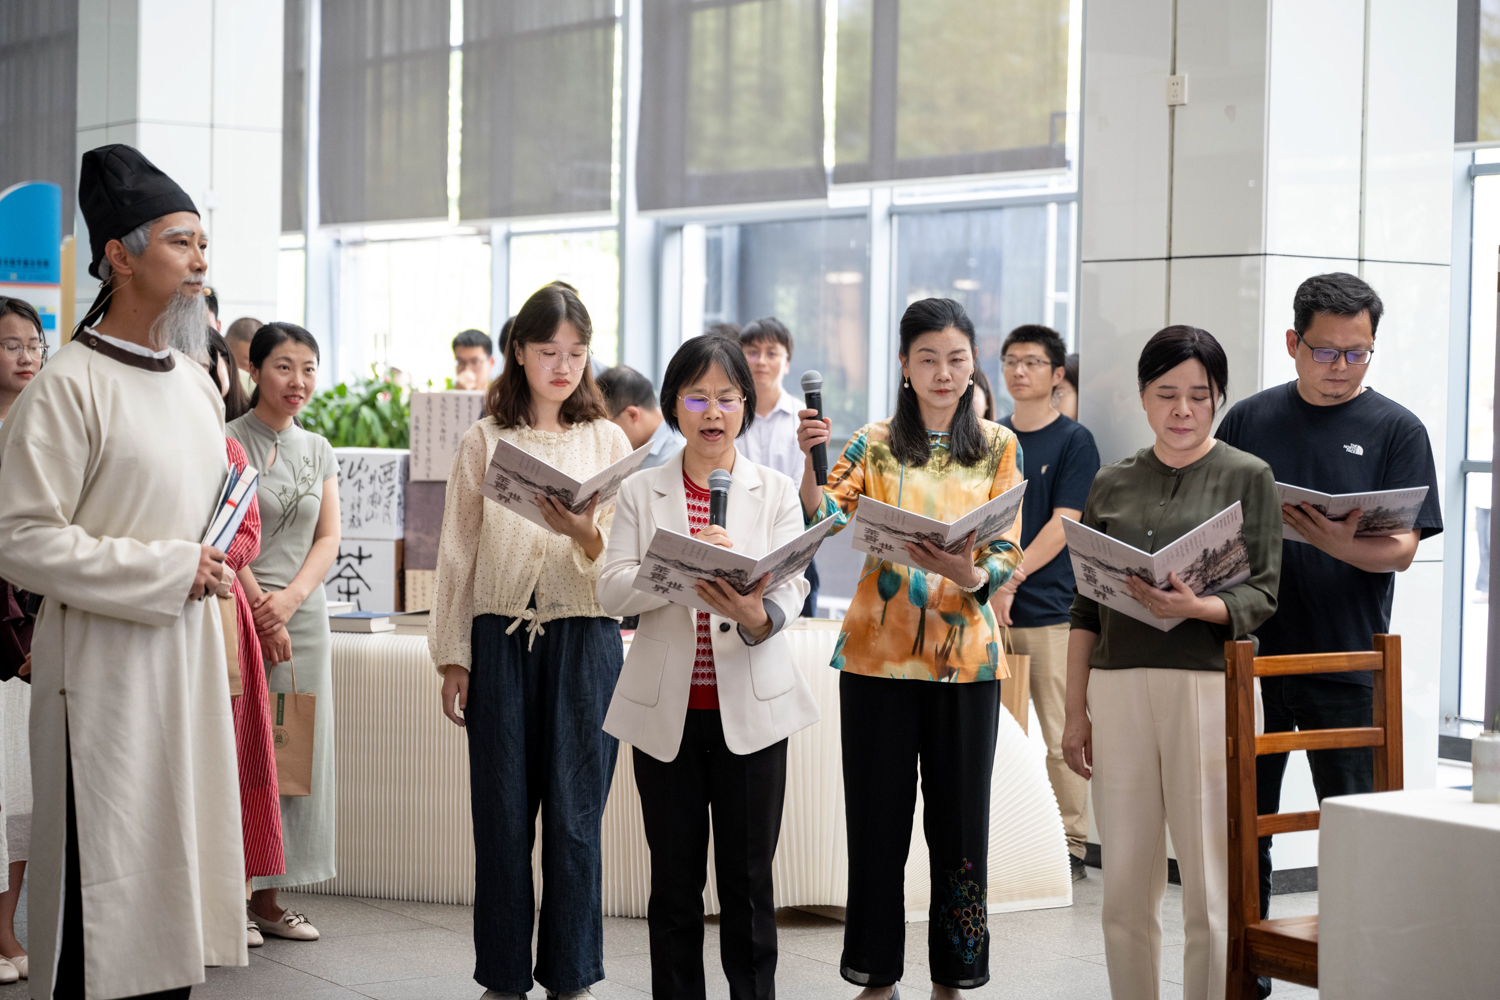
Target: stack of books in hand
{"points": [[232, 507]]}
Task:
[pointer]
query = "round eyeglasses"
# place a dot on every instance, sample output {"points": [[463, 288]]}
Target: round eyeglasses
{"points": [[1328, 355], [698, 403], [551, 359], [14, 349]]}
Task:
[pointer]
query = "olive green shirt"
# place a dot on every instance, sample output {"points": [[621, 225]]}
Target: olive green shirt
{"points": [[1148, 504]]}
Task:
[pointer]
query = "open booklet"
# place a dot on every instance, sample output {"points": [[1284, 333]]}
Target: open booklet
{"points": [[232, 507], [1387, 512], [883, 530], [1210, 558], [516, 476], [674, 562]]}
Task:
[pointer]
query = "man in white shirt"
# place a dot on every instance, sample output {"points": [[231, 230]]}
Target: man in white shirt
{"points": [[772, 439]]}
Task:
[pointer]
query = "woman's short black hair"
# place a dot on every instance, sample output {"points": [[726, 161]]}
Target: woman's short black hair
{"points": [[696, 356], [1173, 345]]}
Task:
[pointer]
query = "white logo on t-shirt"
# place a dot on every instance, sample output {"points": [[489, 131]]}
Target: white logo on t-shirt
{"points": [[1354, 449], [1044, 471]]}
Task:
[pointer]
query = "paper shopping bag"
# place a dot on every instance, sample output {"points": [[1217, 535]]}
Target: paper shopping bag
{"points": [[292, 717], [228, 617], [1015, 690]]}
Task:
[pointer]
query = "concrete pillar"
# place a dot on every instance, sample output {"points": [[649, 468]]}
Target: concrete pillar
{"points": [[196, 86]]}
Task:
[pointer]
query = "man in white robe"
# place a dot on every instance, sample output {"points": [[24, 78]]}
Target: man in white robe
{"points": [[110, 469]]}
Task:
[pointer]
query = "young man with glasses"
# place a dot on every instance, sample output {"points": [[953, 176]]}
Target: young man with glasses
{"points": [[1060, 461], [23, 348], [1327, 431]]}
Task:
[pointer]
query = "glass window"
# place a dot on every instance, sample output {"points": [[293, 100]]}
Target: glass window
{"points": [[1476, 595], [1489, 74], [291, 285], [996, 262], [402, 301], [589, 261]]}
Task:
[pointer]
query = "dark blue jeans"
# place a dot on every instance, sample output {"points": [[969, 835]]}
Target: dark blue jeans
{"points": [[534, 721]]}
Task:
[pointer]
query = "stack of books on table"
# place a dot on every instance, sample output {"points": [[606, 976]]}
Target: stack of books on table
{"points": [[411, 623], [361, 621], [340, 608]]}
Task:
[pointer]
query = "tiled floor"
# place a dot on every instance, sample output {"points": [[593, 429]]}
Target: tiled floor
{"points": [[389, 950]]}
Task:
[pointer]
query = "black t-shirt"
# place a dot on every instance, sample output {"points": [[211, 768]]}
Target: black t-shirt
{"points": [[1369, 443], [1059, 462]]}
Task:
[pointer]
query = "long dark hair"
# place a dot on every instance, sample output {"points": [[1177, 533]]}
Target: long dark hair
{"points": [[966, 443], [508, 399], [235, 403], [1171, 346], [268, 338]]}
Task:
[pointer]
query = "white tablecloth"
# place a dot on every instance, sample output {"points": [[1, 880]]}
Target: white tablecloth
{"points": [[405, 830], [1408, 896]]}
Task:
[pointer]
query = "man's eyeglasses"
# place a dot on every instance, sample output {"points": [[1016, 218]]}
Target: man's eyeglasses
{"points": [[698, 403], [1032, 364], [1328, 355], [14, 349], [550, 359]]}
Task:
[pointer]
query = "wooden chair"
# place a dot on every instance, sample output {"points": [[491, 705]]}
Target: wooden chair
{"points": [[1288, 948]]}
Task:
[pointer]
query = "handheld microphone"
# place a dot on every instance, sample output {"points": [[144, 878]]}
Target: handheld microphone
{"points": [[812, 392], [718, 497]]}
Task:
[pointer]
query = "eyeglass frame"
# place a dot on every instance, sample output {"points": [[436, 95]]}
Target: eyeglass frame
{"points": [[39, 352], [1336, 352], [568, 366], [1034, 364], [714, 400]]}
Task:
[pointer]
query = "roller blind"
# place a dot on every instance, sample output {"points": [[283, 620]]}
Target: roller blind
{"points": [[293, 116], [38, 97], [731, 102], [538, 107], [935, 88], [383, 111]]}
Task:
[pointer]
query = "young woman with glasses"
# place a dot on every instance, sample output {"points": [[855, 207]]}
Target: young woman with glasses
{"points": [[708, 697], [23, 348], [529, 658], [920, 659]]}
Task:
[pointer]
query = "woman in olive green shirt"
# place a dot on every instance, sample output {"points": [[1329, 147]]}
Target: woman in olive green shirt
{"points": [[1145, 708]]}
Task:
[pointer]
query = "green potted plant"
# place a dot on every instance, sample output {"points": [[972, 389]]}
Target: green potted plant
{"points": [[373, 412]]}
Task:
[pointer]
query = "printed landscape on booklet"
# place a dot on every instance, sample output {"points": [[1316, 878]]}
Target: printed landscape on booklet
{"points": [[1387, 512], [883, 530], [1210, 558], [516, 476], [673, 563]]}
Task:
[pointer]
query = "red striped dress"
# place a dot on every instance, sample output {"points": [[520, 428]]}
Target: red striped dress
{"points": [[705, 690], [260, 804]]}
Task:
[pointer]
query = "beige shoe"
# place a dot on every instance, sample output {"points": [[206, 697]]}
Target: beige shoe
{"points": [[292, 926], [253, 937], [22, 964], [8, 973]]}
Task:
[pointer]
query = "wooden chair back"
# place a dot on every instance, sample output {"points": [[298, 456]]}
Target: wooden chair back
{"points": [[1287, 948]]}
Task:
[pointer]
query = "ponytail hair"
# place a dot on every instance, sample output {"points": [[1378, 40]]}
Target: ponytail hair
{"points": [[268, 338], [966, 443]]}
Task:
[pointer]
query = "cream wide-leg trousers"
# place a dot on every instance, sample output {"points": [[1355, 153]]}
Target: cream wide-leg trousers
{"points": [[1159, 764]]}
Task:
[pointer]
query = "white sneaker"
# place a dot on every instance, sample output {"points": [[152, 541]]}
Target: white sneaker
{"points": [[8, 972], [253, 938], [292, 926]]}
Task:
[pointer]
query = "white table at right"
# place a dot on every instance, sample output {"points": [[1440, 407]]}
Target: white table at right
{"points": [[1408, 896]]}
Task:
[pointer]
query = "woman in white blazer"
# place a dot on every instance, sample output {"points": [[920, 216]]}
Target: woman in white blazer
{"points": [[708, 699]]}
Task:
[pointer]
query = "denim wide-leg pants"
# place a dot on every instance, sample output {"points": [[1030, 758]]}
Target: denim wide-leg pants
{"points": [[534, 721]]}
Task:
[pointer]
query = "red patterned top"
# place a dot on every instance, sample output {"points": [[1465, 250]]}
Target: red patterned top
{"points": [[705, 690]]}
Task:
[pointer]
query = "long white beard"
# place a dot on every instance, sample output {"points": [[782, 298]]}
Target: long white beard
{"points": [[183, 326]]}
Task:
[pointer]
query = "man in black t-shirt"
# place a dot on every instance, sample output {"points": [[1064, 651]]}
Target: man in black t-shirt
{"points": [[1327, 432], [1059, 460]]}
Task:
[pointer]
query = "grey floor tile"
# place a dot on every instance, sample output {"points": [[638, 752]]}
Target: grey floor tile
{"points": [[378, 958], [265, 978], [458, 987], [346, 916], [625, 936], [453, 918]]}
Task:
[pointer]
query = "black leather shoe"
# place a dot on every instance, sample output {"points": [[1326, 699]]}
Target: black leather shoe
{"points": [[1079, 869]]}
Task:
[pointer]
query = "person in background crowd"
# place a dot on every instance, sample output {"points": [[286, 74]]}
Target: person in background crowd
{"points": [[124, 634], [531, 699], [771, 440], [920, 659], [1061, 461], [984, 396], [1327, 431], [260, 808], [1065, 393], [707, 720], [1145, 710], [473, 360], [631, 402], [211, 299], [298, 492], [730, 330], [239, 335], [23, 348]]}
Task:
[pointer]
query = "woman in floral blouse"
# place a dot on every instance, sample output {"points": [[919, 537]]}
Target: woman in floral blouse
{"points": [[925, 620]]}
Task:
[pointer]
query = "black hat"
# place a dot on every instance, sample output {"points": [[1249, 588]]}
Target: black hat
{"points": [[118, 190]]}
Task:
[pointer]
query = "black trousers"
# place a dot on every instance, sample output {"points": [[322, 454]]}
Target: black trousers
{"points": [[746, 792], [69, 982], [890, 729], [1311, 703]]}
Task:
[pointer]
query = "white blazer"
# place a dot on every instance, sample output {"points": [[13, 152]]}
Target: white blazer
{"points": [[763, 697]]}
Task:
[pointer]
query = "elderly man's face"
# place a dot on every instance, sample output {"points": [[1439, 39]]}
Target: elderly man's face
{"points": [[174, 261]]}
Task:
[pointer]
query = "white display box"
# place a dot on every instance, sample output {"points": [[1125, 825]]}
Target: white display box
{"points": [[367, 572], [372, 492], [438, 422]]}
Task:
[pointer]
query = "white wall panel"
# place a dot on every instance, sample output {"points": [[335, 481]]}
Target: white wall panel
{"points": [[245, 94], [1417, 617], [1222, 295], [175, 40], [1122, 304], [1411, 346]]}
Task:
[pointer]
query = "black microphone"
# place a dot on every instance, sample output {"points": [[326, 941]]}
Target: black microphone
{"points": [[718, 497], [812, 392]]}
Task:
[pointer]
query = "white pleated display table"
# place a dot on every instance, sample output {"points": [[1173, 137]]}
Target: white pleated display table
{"points": [[405, 828]]}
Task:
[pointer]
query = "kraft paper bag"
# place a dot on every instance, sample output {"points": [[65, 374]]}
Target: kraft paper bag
{"points": [[1015, 691], [292, 717], [231, 623]]}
